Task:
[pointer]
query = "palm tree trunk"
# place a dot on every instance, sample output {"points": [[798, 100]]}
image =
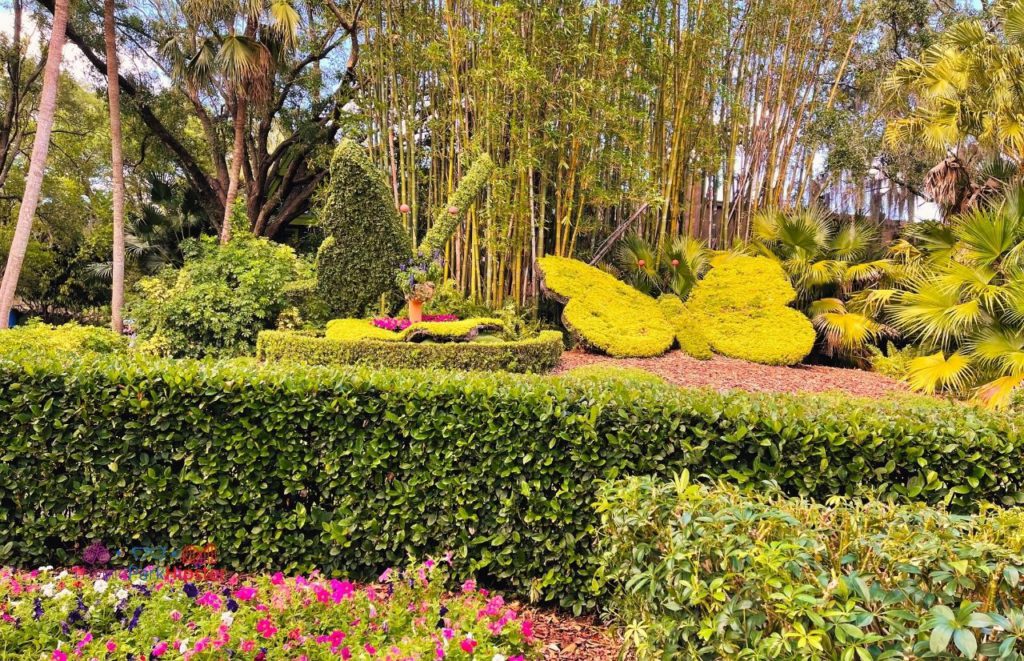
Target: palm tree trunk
{"points": [[117, 161], [40, 149], [237, 154]]}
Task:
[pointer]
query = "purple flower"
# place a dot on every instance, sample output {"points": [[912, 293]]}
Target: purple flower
{"points": [[37, 608], [96, 554], [191, 591], [135, 619]]}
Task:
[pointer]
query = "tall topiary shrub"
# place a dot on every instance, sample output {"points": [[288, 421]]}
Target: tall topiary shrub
{"points": [[365, 242], [449, 217]]}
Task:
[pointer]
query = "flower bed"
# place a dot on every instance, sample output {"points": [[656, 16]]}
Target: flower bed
{"points": [[400, 324], [107, 615]]}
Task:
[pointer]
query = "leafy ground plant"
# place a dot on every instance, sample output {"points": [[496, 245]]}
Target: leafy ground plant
{"points": [[405, 615], [716, 573]]}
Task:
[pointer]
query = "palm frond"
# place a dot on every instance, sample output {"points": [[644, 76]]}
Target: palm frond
{"points": [[936, 372]]}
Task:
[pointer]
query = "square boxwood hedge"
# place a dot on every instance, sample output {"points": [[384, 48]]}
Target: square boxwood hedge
{"points": [[533, 355], [292, 467]]}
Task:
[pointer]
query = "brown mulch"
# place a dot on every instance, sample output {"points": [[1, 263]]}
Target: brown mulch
{"points": [[568, 638], [721, 373]]}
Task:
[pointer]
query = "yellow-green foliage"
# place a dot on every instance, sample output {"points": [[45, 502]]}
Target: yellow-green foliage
{"points": [[359, 329], [742, 307], [690, 337], [69, 338], [605, 313], [462, 329]]}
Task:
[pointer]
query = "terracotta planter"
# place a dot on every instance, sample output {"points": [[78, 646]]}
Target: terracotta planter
{"points": [[415, 311]]}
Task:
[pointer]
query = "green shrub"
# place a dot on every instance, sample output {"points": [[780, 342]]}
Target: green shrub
{"points": [[536, 355], [893, 363], [365, 242], [605, 313], [690, 337], [711, 573], [351, 470], [611, 374], [468, 189], [69, 338], [220, 299], [741, 306]]}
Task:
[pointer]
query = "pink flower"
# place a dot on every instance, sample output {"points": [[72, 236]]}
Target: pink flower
{"points": [[370, 649], [341, 590], [277, 579], [246, 593], [159, 649], [468, 645], [447, 633], [527, 629], [59, 656], [210, 599], [345, 654], [439, 652], [248, 645], [266, 628], [111, 646], [469, 586], [176, 616]]}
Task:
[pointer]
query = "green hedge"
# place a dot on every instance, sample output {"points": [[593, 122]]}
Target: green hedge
{"points": [[69, 338], [714, 573], [289, 467], [536, 355]]}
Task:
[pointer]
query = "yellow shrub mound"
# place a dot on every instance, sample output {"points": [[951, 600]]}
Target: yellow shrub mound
{"points": [[359, 329], [742, 308], [690, 337], [605, 313]]}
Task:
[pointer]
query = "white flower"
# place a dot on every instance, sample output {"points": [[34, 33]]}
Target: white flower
{"points": [[499, 657], [183, 647], [100, 586], [46, 568], [48, 589], [121, 594], [63, 574], [64, 593], [227, 617]]}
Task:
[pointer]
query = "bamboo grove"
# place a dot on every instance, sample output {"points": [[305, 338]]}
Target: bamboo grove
{"points": [[699, 109]]}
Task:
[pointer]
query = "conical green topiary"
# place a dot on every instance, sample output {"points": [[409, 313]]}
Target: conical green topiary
{"points": [[366, 241]]}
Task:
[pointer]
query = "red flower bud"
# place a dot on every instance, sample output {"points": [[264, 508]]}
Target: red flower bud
{"points": [[453, 211], [641, 263], [404, 208]]}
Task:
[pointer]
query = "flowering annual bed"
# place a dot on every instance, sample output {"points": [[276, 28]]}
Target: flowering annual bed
{"points": [[400, 324], [111, 615]]}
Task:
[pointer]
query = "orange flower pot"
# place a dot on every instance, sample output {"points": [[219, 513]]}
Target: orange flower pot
{"points": [[415, 311]]}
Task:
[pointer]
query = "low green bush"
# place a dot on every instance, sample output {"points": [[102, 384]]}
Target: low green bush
{"points": [[606, 314], [713, 573], [533, 355], [219, 300], [69, 338], [290, 467]]}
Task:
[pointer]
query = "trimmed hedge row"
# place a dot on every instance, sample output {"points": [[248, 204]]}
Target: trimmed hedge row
{"points": [[351, 470], [538, 354]]}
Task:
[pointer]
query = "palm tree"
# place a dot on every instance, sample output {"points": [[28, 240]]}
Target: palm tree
{"points": [[829, 262], [117, 163], [211, 51], [966, 303], [965, 96], [37, 165], [675, 271]]}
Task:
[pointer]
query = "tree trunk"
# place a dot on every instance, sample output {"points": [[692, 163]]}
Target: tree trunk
{"points": [[40, 149], [237, 154], [117, 161]]}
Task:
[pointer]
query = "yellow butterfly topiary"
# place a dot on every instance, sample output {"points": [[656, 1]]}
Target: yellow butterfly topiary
{"points": [[742, 307], [606, 314]]}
